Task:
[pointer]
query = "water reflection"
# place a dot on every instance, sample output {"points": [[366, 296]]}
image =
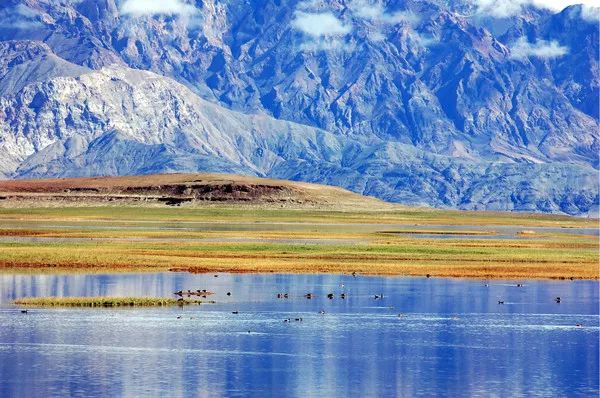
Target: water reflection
{"points": [[453, 338]]}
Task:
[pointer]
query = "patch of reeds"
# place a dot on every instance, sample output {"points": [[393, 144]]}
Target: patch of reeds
{"points": [[102, 301]]}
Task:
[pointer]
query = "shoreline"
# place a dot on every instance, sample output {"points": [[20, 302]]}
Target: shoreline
{"points": [[133, 271]]}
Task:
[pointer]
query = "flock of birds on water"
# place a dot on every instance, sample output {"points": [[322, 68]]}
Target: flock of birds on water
{"points": [[204, 293], [309, 296]]}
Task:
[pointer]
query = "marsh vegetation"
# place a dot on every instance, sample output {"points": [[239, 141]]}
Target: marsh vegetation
{"points": [[222, 239], [103, 302]]}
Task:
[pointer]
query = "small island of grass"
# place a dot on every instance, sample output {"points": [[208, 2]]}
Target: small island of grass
{"points": [[102, 301]]}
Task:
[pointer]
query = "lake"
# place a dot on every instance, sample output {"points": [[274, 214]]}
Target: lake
{"points": [[424, 337]]}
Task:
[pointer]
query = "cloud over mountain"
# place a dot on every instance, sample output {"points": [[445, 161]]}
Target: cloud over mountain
{"points": [[139, 8], [18, 16], [375, 11], [321, 30], [508, 8], [409, 101], [540, 49], [320, 24]]}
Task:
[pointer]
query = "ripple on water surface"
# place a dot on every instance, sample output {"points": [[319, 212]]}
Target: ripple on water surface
{"points": [[424, 337]]}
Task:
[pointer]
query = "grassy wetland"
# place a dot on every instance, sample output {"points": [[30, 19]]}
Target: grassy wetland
{"points": [[230, 240], [274, 227]]}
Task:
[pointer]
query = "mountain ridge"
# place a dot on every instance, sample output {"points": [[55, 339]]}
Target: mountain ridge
{"points": [[402, 117]]}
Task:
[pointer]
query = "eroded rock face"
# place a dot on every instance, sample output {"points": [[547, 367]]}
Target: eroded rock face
{"points": [[428, 107]]}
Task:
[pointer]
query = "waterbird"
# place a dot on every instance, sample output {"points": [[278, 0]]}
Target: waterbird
{"points": [[229, 293], [519, 285], [330, 296], [343, 295], [308, 295], [23, 311], [235, 312], [322, 312], [179, 293], [354, 274], [216, 276], [557, 299], [500, 302], [428, 275]]}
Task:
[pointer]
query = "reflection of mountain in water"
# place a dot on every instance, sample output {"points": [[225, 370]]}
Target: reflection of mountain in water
{"points": [[453, 338]]}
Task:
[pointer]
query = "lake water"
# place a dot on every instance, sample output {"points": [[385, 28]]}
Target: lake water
{"points": [[452, 338]]}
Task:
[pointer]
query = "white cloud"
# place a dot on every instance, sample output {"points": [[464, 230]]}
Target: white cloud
{"points": [[590, 13], [499, 8], [425, 40], [559, 5], [509, 8], [365, 10], [401, 16], [19, 17], [322, 31], [376, 12], [325, 31], [540, 49], [138, 8], [380, 19], [320, 24]]}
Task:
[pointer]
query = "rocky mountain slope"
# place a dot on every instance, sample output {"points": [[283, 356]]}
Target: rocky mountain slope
{"points": [[425, 102]]}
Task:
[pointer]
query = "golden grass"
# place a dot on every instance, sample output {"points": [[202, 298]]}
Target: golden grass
{"points": [[126, 215], [469, 258], [102, 302], [134, 239]]}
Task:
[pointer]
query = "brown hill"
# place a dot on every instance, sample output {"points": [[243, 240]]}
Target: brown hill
{"points": [[181, 189]]}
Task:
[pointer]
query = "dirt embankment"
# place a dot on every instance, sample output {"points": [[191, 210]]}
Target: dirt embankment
{"points": [[180, 189]]}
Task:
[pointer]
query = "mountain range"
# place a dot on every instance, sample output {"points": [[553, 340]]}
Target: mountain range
{"points": [[439, 103]]}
